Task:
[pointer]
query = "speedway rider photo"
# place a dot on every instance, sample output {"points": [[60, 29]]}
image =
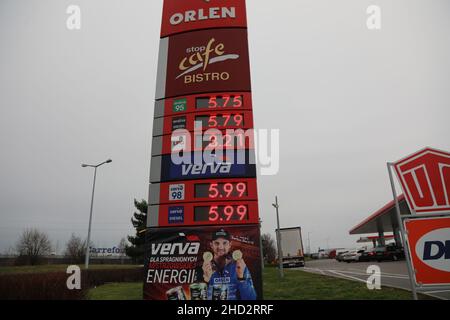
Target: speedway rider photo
{"points": [[225, 270]]}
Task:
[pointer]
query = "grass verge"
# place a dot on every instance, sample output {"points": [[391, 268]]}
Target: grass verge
{"points": [[117, 291], [302, 285], [296, 285]]}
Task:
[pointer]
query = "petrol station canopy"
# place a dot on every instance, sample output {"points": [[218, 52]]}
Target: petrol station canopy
{"points": [[374, 238], [382, 220]]}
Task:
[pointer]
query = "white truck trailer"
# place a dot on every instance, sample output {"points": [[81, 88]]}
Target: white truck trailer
{"points": [[292, 247]]}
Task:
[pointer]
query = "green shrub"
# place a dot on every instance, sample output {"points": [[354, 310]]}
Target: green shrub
{"points": [[52, 285]]}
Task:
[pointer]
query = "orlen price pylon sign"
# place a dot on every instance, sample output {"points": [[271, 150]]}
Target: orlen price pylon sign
{"points": [[202, 241]]}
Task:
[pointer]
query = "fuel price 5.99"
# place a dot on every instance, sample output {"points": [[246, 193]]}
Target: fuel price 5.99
{"points": [[221, 213], [221, 190]]}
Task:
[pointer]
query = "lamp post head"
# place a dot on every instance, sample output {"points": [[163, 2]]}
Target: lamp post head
{"points": [[84, 165], [108, 161]]}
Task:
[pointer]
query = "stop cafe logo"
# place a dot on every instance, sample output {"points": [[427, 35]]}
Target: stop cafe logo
{"points": [[215, 60], [429, 245]]}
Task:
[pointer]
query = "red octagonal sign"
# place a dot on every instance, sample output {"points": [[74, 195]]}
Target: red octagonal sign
{"points": [[425, 180]]}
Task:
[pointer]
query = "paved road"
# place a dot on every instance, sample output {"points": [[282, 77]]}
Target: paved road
{"points": [[393, 274]]}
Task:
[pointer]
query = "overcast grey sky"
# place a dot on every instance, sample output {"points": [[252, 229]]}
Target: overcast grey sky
{"points": [[346, 101]]}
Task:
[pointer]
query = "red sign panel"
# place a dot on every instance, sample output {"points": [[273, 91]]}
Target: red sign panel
{"points": [[207, 61], [220, 101], [425, 180], [203, 263], [203, 141], [206, 120], [429, 246], [182, 15], [241, 189], [206, 213]]}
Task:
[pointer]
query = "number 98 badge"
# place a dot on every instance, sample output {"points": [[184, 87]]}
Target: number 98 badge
{"points": [[176, 192]]}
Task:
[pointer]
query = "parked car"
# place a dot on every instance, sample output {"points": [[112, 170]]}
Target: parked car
{"points": [[340, 256], [389, 252], [332, 254], [323, 254], [368, 255], [352, 256]]}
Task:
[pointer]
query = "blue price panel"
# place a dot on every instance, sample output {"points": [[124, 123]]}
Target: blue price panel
{"points": [[234, 163]]}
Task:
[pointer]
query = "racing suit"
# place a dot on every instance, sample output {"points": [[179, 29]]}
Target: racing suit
{"points": [[227, 280]]}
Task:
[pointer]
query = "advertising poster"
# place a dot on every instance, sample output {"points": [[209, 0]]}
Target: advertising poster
{"points": [[203, 263]]}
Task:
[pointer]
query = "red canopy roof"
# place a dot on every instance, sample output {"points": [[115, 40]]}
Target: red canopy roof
{"points": [[369, 224]]}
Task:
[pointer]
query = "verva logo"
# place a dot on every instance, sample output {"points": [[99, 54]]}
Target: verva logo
{"points": [[434, 249], [429, 245], [165, 249], [182, 15], [425, 180], [202, 169]]}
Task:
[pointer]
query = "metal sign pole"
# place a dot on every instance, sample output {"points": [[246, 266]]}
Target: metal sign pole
{"points": [[280, 254], [403, 233], [261, 245]]}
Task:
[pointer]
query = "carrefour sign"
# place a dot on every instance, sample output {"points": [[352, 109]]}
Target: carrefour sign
{"points": [[183, 15], [429, 245]]}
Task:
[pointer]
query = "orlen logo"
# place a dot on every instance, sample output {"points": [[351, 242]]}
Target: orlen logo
{"points": [[200, 58], [203, 14], [425, 180], [433, 249]]}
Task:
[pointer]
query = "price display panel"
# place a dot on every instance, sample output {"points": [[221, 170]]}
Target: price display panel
{"points": [[204, 190], [203, 141], [230, 101], [206, 213], [204, 121]]}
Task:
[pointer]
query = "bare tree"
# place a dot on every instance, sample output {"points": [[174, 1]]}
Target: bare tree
{"points": [[123, 244], [75, 249], [269, 250], [11, 251], [33, 244]]}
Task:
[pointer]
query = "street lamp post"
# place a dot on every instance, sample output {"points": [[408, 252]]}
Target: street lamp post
{"points": [[280, 254], [261, 245], [309, 243], [92, 206]]}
